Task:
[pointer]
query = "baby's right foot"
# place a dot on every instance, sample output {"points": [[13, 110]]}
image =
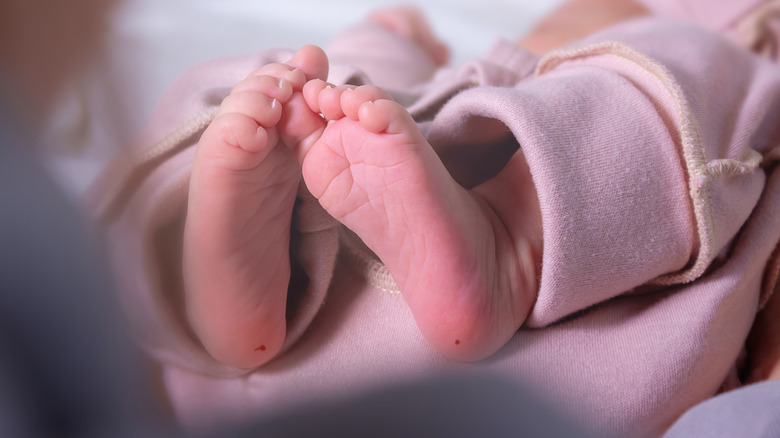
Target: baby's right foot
{"points": [[465, 261], [237, 233]]}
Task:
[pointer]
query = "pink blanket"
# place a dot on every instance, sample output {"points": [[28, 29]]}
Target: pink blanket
{"points": [[653, 146]]}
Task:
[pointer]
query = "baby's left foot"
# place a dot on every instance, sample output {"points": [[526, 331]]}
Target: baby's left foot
{"points": [[409, 22], [469, 280]]}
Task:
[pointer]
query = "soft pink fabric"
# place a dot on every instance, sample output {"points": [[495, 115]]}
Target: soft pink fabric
{"points": [[754, 24], [650, 145]]}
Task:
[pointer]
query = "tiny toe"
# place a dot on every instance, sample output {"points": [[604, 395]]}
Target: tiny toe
{"points": [[273, 87], [385, 115], [296, 77], [312, 61], [263, 138], [275, 69], [352, 100], [240, 134], [264, 110], [330, 101], [311, 93]]}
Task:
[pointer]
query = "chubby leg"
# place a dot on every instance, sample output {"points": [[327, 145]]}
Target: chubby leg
{"points": [[242, 190], [465, 261], [576, 19]]}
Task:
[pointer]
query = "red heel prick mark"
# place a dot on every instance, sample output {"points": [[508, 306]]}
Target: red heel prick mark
{"points": [[260, 348], [457, 341]]}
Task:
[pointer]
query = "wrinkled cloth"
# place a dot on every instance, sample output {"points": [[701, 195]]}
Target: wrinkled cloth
{"points": [[653, 148]]}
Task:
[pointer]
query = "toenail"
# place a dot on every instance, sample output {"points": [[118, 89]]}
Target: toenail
{"points": [[294, 75], [274, 103], [281, 83]]}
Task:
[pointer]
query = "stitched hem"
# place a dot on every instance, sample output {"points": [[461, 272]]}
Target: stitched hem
{"points": [[122, 178], [372, 269]]}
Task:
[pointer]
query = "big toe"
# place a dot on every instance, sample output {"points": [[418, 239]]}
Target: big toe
{"points": [[312, 61]]}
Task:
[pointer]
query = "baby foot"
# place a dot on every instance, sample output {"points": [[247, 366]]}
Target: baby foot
{"points": [[469, 282], [410, 23], [237, 233]]}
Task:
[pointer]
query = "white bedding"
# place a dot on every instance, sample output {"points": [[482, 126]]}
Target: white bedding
{"points": [[153, 41]]}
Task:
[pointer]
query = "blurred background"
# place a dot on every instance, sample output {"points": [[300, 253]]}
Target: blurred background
{"points": [[151, 42]]}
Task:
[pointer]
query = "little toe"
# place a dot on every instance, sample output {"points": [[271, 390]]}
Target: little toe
{"points": [[351, 100], [230, 136], [264, 110], [330, 101], [311, 93], [294, 76], [273, 87]]}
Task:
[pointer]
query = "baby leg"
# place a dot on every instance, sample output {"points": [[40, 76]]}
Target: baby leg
{"points": [[242, 190], [468, 275], [577, 19]]}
